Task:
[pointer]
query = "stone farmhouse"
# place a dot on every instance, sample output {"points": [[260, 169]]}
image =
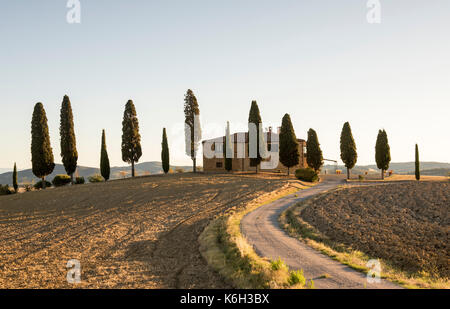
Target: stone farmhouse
{"points": [[240, 150]]}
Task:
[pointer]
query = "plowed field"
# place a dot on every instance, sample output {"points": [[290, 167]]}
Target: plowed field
{"points": [[406, 224], [139, 233]]}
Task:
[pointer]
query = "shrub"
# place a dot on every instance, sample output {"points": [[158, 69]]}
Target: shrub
{"points": [[96, 178], [4, 190], [297, 277], [277, 265], [79, 180], [61, 180], [179, 170], [28, 187], [360, 177], [38, 185], [306, 174]]}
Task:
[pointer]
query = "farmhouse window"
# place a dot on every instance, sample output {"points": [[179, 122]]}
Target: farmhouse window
{"points": [[218, 147]]}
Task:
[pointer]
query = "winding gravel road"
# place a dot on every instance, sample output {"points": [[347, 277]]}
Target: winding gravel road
{"points": [[262, 231]]}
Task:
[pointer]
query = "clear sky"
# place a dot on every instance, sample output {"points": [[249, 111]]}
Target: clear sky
{"points": [[320, 61]]}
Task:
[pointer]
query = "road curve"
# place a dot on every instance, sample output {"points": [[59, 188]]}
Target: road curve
{"points": [[261, 229]]}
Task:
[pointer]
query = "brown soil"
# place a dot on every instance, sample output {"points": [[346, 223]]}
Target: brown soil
{"points": [[139, 233], [406, 224]]}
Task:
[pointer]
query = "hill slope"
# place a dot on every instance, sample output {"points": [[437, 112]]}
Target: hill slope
{"points": [[427, 168], [26, 176]]}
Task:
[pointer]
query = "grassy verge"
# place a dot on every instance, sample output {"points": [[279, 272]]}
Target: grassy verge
{"points": [[293, 224], [227, 251]]}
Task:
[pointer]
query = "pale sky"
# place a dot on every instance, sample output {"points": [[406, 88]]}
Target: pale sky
{"points": [[320, 61]]}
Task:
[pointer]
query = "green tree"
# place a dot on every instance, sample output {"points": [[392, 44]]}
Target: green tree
{"points": [[288, 150], [314, 156], [69, 152], [165, 153], [254, 121], [131, 139], [417, 163], [105, 169], [192, 128], [41, 150], [348, 148], [15, 184], [228, 149], [382, 152]]}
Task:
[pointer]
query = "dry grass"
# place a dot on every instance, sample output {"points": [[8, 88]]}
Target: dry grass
{"points": [[228, 252], [132, 233], [405, 225]]}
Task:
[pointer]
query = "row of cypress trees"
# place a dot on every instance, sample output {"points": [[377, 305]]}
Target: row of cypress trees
{"points": [[289, 154], [382, 151], [42, 152], [43, 161]]}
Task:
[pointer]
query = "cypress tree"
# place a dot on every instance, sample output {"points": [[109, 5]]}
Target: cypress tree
{"points": [[165, 153], [105, 169], [69, 152], [288, 150], [15, 184], [192, 128], [382, 152], [131, 139], [417, 163], [41, 150], [348, 148], [228, 151], [313, 152], [254, 117]]}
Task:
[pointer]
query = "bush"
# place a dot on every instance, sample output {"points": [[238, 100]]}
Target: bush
{"points": [[297, 277], [61, 180], [179, 170], [277, 265], [306, 174], [360, 177], [79, 180], [96, 178], [310, 284], [28, 187], [4, 190], [38, 184]]}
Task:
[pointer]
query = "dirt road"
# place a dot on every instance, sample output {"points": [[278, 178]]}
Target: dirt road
{"points": [[262, 231]]}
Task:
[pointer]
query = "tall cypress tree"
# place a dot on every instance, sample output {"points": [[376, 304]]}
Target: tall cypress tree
{"points": [[382, 152], [313, 152], [288, 150], [165, 159], [105, 169], [228, 150], [131, 139], [254, 117], [69, 152], [193, 133], [417, 163], [41, 150], [348, 148], [15, 184]]}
